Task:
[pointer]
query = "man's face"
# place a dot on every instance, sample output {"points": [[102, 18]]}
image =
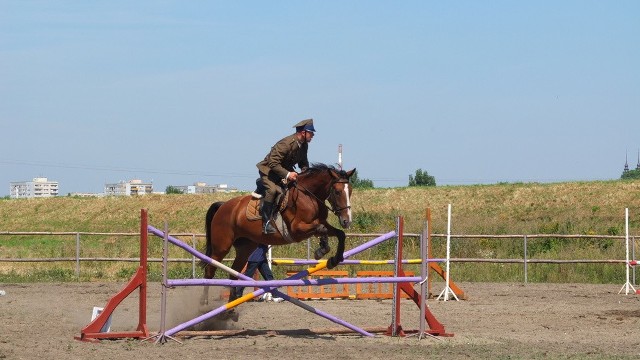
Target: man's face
{"points": [[308, 135]]}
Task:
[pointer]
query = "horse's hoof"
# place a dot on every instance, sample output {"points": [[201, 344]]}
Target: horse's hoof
{"points": [[319, 253], [334, 261], [232, 315]]}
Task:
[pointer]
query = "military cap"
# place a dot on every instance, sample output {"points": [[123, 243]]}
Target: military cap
{"points": [[305, 125]]}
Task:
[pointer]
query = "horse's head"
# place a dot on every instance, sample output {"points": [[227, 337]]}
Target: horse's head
{"points": [[329, 183], [340, 196]]}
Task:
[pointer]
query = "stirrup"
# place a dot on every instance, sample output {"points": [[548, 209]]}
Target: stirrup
{"points": [[268, 228]]}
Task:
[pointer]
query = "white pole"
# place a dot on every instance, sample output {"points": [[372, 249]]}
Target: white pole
{"points": [[627, 287], [447, 282], [447, 289], [626, 238], [340, 156]]}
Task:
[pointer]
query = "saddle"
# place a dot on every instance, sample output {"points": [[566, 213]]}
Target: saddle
{"points": [[253, 212]]}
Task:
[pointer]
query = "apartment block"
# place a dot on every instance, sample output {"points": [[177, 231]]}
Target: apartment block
{"points": [[203, 188], [37, 188], [128, 188]]}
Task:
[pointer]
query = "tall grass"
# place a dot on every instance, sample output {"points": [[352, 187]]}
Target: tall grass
{"points": [[562, 208]]}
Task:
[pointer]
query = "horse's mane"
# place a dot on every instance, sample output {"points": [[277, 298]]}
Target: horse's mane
{"points": [[316, 168]]}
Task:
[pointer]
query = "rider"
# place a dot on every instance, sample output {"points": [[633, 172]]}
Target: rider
{"points": [[276, 170]]}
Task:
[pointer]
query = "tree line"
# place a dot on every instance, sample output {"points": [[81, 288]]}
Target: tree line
{"points": [[630, 174], [421, 178]]}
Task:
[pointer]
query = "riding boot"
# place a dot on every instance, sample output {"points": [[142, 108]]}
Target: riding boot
{"points": [[267, 210]]}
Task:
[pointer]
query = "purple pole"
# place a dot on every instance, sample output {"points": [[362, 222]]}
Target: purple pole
{"points": [[349, 262], [291, 282]]}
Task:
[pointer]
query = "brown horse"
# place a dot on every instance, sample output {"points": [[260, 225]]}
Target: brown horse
{"points": [[305, 215]]}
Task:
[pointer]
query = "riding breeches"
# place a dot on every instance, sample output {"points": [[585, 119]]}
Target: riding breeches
{"points": [[270, 183]]}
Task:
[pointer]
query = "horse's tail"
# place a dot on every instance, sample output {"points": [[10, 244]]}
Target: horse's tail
{"points": [[210, 213]]}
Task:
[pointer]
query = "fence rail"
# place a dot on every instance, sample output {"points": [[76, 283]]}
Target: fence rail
{"points": [[524, 237]]}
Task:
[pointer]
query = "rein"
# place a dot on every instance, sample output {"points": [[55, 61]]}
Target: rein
{"points": [[330, 197]]}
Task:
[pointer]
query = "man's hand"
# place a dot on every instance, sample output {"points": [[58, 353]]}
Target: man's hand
{"points": [[292, 176]]}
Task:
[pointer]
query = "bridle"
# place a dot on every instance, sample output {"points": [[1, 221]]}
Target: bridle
{"points": [[331, 197]]}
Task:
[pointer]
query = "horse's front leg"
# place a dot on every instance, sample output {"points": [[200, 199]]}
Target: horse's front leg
{"points": [[339, 256]]}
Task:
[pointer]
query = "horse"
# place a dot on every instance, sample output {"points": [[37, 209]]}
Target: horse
{"points": [[305, 215]]}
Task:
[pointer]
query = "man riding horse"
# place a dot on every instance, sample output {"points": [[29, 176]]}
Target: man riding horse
{"points": [[277, 168], [229, 224]]}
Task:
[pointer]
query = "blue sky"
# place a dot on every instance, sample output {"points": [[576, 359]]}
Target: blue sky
{"points": [[174, 92]]}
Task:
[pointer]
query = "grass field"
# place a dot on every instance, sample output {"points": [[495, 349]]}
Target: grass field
{"points": [[559, 208]]}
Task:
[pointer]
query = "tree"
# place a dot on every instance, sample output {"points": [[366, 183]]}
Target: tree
{"points": [[172, 190], [422, 178], [360, 183], [631, 174]]}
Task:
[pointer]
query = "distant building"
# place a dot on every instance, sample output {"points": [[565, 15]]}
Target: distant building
{"points": [[128, 188], [39, 187], [626, 163], [203, 188]]}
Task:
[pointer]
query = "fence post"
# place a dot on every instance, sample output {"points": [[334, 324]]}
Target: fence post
{"points": [[193, 258], [78, 255], [526, 278]]}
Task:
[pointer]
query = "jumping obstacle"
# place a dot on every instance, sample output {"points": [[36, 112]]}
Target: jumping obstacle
{"points": [[93, 331], [435, 327], [269, 286]]}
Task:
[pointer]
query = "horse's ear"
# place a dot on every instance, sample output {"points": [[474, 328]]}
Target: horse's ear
{"points": [[349, 173]]}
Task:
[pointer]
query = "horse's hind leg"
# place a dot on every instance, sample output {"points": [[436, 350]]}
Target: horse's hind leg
{"points": [[323, 247], [209, 272], [244, 247]]}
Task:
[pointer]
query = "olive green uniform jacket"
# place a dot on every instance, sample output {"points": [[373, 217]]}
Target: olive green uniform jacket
{"points": [[284, 155]]}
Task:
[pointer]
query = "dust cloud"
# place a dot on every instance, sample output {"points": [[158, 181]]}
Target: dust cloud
{"points": [[184, 304]]}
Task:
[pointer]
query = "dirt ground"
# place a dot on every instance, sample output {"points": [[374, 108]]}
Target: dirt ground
{"points": [[497, 321]]}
